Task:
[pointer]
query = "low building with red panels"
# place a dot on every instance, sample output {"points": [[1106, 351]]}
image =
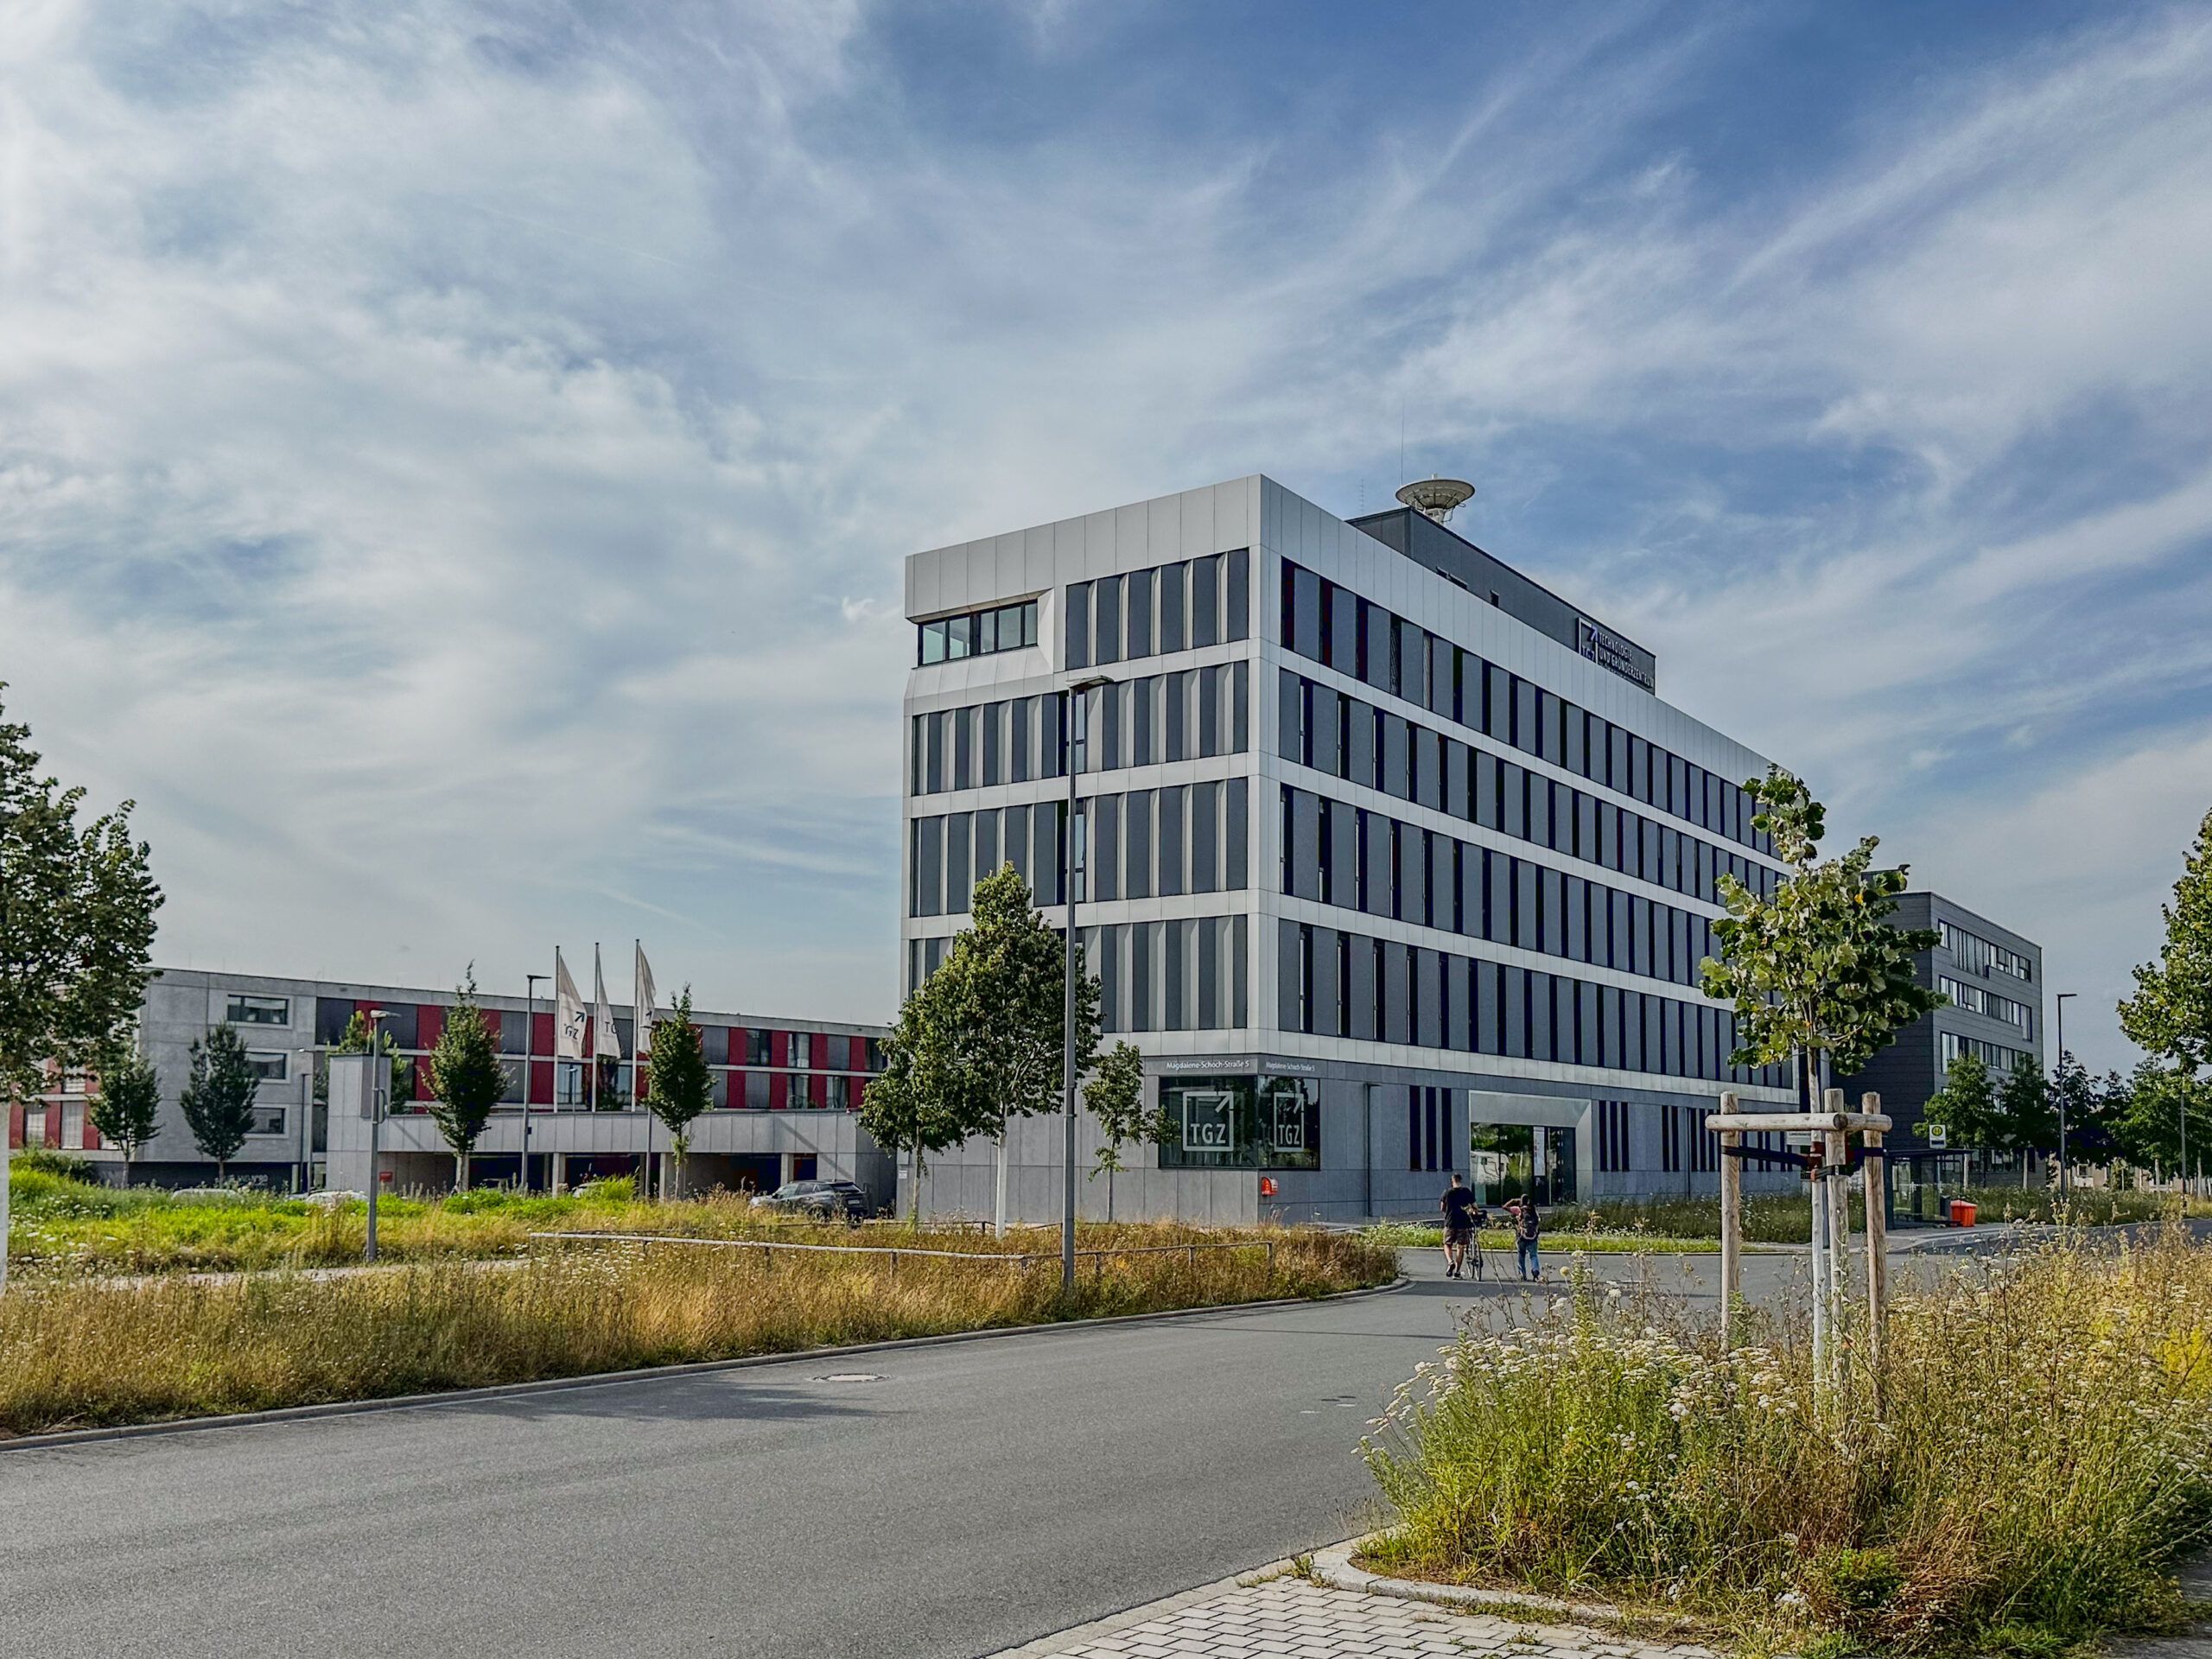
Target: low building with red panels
{"points": [[786, 1094]]}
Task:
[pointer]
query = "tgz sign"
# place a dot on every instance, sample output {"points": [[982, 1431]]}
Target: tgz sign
{"points": [[1209, 1123]]}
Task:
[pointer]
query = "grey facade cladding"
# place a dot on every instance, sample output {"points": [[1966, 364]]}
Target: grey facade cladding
{"points": [[1977, 961], [1421, 847]]}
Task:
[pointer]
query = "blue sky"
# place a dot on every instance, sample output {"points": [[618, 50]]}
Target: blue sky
{"points": [[455, 459]]}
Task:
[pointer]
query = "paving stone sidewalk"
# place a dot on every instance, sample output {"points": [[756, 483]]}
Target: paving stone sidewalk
{"points": [[1289, 1618]]}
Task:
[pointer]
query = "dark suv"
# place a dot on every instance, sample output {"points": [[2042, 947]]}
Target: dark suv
{"points": [[822, 1200]]}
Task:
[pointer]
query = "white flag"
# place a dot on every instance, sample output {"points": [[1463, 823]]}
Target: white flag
{"points": [[567, 1013], [606, 1041], [643, 1038]]}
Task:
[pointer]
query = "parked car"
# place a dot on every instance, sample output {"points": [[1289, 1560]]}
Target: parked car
{"points": [[822, 1200]]}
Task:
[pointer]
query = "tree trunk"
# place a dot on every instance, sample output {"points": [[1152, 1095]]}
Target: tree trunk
{"points": [[460, 1171], [914, 1198], [1112, 1170]]}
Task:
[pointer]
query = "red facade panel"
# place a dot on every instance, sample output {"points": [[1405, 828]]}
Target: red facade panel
{"points": [[817, 1089], [739, 1046], [429, 1024], [779, 1086], [541, 1082], [541, 1035]]}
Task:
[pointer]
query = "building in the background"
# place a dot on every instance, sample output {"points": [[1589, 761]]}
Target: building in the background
{"points": [[1396, 864], [786, 1093], [1993, 979]]}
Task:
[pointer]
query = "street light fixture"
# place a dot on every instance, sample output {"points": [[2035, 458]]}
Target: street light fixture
{"points": [[1078, 705], [379, 1080], [2063, 997], [530, 983]]}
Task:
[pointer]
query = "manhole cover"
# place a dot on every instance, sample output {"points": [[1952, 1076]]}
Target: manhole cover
{"points": [[851, 1376]]}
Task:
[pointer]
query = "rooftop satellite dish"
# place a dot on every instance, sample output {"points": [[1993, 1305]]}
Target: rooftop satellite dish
{"points": [[1436, 497]]}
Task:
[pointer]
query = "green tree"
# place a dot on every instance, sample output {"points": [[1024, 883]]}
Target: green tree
{"points": [[1114, 1096], [2169, 1016], [76, 923], [467, 1076], [2072, 1090], [128, 1112], [2166, 1108], [1966, 1105], [913, 1105], [1816, 972], [1006, 978], [678, 1086], [2024, 1108], [218, 1097]]}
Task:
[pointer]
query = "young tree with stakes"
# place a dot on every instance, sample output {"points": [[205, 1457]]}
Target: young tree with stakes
{"points": [[1116, 1097], [678, 1086], [467, 1076], [1817, 975], [218, 1097], [2171, 1013], [128, 1111]]}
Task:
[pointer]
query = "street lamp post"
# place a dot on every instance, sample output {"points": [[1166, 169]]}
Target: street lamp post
{"points": [[528, 1063], [1078, 706], [376, 1087], [2063, 997]]}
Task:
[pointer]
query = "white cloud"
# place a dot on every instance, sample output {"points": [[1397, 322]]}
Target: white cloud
{"points": [[453, 469]]}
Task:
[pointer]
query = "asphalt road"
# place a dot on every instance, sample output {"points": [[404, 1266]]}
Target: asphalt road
{"points": [[966, 1497]]}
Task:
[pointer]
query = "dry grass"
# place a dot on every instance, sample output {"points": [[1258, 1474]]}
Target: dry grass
{"points": [[78, 1351], [2042, 1454], [64, 1227]]}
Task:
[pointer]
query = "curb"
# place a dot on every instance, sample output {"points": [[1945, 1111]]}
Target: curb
{"points": [[647, 1373], [1333, 1567]]}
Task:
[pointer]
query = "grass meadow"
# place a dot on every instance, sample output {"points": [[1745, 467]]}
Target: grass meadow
{"points": [[123, 1317], [2019, 1474]]}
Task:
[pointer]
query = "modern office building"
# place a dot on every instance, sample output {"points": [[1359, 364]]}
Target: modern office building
{"points": [[786, 1094], [1390, 859], [1993, 979]]}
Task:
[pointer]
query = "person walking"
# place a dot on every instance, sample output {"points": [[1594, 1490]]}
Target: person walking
{"points": [[1460, 1213], [1528, 1228]]}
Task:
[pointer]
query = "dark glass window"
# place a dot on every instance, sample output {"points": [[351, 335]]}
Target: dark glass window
{"points": [[1138, 600], [1237, 859], [1302, 611], [1106, 601], [928, 866], [1206, 602], [1138, 851], [1205, 838]]}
